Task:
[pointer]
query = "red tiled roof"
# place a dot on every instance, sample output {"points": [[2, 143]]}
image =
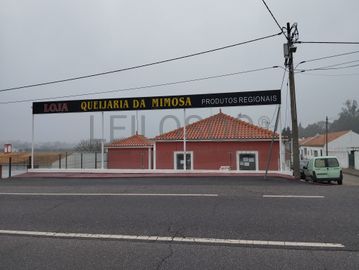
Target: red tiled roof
{"points": [[133, 141], [305, 140], [219, 127], [319, 140]]}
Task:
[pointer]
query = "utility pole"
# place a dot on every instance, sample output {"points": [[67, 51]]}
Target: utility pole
{"points": [[326, 136], [289, 49]]}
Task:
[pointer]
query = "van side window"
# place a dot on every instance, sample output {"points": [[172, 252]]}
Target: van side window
{"points": [[320, 163]]}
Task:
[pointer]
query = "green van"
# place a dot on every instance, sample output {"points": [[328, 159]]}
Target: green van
{"points": [[324, 169]]}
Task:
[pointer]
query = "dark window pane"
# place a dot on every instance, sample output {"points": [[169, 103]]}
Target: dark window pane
{"points": [[247, 162], [319, 163], [333, 162]]}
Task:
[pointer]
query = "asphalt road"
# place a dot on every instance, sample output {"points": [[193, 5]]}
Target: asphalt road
{"points": [[178, 223]]}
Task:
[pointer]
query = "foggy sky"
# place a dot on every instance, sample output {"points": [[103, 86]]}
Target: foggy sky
{"points": [[50, 40]]}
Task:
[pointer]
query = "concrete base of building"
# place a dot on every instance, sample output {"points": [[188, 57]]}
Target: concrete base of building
{"points": [[120, 173]]}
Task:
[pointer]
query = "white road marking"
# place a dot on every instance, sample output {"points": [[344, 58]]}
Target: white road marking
{"points": [[153, 238], [293, 196], [107, 194]]}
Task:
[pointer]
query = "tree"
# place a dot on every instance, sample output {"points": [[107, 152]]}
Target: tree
{"points": [[348, 120], [348, 117], [287, 133], [313, 129], [89, 146]]}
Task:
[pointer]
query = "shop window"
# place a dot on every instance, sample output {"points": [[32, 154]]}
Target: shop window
{"points": [[247, 161], [179, 161]]}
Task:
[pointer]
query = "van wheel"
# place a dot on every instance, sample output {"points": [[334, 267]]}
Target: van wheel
{"points": [[340, 180]]}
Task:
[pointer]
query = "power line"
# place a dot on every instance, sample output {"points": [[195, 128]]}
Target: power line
{"points": [[327, 57], [274, 18], [335, 68], [281, 87], [286, 105], [343, 63], [329, 75], [139, 66], [332, 67], [335, 65], [143, 87], [329, 42]]}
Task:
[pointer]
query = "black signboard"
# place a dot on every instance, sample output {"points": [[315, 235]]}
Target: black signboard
{"points": [[268, 97]]}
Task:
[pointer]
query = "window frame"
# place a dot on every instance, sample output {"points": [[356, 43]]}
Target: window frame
{"points": [[238, 153], [175, 153]]}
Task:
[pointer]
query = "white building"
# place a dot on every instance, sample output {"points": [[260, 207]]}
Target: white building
{"points": [[342, 144]]}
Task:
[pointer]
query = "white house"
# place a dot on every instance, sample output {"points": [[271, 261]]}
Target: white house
{"points": [[342, 144]]}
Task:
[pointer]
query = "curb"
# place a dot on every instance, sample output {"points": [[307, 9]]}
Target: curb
{"points": [[351, 173], [128, 175]]}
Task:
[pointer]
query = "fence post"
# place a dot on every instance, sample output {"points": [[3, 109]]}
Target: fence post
{"points": [[66, 160], [9, 167], [0, 171], [59, 161], [95, 160], [81, 161], [29, 163]]}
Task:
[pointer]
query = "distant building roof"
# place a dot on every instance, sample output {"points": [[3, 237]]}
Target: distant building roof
{"points": [[219, 127], [133, 141], [303, 141], [319, 140]]}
